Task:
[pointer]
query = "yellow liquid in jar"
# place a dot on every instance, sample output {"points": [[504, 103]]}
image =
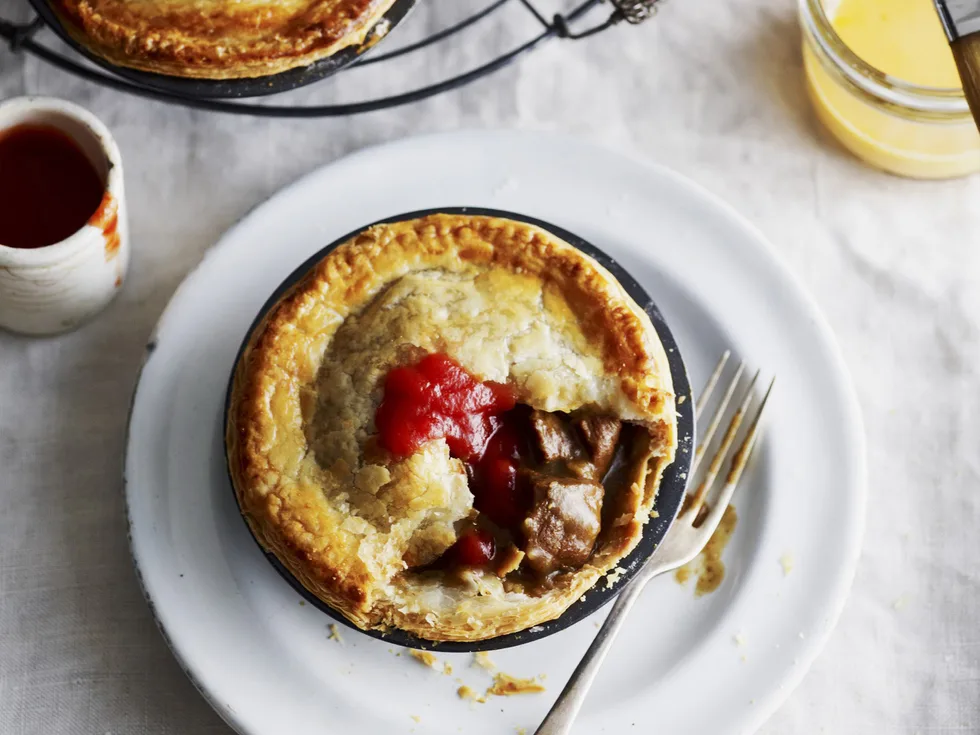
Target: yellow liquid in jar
{"points": [[904, 39]]}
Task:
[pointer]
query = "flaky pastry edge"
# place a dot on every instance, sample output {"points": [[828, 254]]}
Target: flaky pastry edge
{"points": [[345, 281], [192, 52]]}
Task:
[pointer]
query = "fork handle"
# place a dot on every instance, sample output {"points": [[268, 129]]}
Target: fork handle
{"points": [[565, 709]]}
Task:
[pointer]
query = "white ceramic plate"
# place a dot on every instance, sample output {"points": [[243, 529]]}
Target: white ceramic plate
{"points": [[265, 660]]}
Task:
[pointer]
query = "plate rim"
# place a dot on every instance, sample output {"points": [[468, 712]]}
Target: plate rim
{"points": [[753, 237]]}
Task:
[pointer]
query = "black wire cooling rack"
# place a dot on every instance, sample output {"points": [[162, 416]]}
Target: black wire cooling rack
{"points": [[575, 24]]}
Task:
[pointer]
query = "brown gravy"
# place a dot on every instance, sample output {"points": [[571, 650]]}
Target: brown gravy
{"points": [[708, 568]]}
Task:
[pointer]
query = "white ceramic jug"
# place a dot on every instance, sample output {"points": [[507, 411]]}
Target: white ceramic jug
{"points": [[55, 288]]}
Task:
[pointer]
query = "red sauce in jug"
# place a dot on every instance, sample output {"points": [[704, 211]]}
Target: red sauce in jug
{"points": [[49, 189]]}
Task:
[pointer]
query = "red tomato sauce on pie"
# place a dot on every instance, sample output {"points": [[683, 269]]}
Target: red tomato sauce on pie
{"points": [[474, 548], [437, 399]]}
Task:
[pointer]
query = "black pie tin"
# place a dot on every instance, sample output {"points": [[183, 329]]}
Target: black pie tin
{"points": [[189, 88], [672, 485]]}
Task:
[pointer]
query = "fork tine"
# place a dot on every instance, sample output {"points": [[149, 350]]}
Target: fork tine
{"points": [[716, 419], [709, 477], [741, 457], [712, 382], [739, 460]]}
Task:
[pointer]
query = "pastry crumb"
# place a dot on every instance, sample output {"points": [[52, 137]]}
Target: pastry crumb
{"points": [[424, 657], [334, 634], [447, 669], [464, 692], [505, 685], [681, 398], [900, 603], [741, 640], [416, 718], [302, 603], [521, 731], [483, 660], [614, 576], [786, 562]]}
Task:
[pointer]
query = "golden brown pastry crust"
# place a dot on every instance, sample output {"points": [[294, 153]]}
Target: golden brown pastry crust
{"points": [[511, 303], [219, 39]]}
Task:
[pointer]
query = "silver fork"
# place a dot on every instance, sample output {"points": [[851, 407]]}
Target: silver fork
{"points": [[686, 538]]}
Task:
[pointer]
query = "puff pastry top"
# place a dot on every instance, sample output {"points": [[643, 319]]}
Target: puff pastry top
{"points": [[511, 303], [219, 39]]}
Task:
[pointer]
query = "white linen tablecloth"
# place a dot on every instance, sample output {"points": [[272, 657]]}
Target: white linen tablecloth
{"points": [[710, 88]]}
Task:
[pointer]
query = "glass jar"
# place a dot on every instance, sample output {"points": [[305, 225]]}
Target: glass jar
{"points": [[902, 128]]}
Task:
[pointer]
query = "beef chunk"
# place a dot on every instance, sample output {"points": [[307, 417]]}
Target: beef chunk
{"points": [[600, 434], [554, 438], [563, 524]]}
